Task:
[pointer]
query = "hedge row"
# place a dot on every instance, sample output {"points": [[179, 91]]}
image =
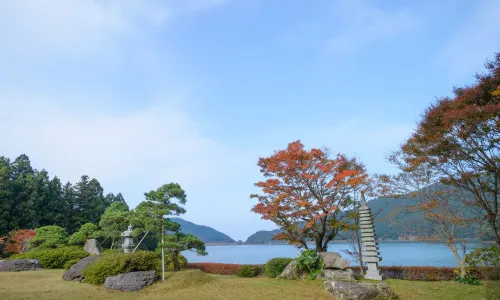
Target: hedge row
{"points": [[405, 273], [427, 273], [57, 258], [215, 268]]}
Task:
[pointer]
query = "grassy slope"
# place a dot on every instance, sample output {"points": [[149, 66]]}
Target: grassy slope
{"points": [[193, 284]]}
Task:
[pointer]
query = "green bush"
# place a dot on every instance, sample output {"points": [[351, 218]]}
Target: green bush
{"points": [[111, 265], [70, 263], [54, 258], [275, 266], [87, 231], [169, 264], [309, 261], [249, 271], [484, 262], [468, 279], [51, 236]]}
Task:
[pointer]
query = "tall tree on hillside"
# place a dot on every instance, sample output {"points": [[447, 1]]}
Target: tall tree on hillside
{"points": [[70, 208], [459, 137], [306, 192], [7, 218], [56, 207], [89, 202], [23, 187]]}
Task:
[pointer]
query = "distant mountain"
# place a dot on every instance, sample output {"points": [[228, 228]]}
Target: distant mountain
{"points": [[204, 233], [263, 237], [390, 223]]}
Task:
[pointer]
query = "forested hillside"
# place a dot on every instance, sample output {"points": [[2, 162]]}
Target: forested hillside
{"points": [[204, 233], [391, 222], [30, 198]]}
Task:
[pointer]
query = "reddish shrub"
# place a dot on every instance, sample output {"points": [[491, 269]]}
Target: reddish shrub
{"points": [[215, 268], [17, 241]]}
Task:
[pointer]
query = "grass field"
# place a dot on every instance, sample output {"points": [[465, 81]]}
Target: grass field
{"points": [[193, 284]]}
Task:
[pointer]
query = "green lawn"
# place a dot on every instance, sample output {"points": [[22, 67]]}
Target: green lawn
{"points": [[193, 284]]}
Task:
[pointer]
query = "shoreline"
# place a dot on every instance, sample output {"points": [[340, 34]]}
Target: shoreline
{"points": [[335, 242]]}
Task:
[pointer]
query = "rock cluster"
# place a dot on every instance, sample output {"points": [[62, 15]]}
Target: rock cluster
{"points": [[20, 265], [132, 281], [358, 290], [335, 267], [75, 273]]}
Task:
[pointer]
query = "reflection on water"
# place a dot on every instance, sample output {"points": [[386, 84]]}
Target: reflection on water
{"points": [[392, 253]]}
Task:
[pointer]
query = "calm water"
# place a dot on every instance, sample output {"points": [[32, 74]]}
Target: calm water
{"points": [[392, 253]]}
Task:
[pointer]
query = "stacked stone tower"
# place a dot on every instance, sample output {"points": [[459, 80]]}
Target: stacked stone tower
{"points": [[369, 242]]}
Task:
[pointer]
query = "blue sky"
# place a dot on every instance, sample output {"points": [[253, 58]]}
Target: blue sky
{"points": [[138, 93]]}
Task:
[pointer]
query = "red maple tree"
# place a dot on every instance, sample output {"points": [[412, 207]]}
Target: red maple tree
{"points": [[459, 137], [17, 241], [306, 191]]}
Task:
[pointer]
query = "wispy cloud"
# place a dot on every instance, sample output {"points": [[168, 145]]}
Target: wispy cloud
{"points": [[474, 41], [359, 23]]}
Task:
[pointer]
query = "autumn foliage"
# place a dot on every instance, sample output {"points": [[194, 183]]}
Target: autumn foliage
{"points": [[305, 192], [459, 137], [17, 241]]}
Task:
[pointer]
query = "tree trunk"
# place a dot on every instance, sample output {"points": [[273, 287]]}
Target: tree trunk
{"points": [[162, 256], [175, 258], [460, 261]]}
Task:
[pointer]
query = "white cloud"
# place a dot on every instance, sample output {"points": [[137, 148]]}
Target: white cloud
{"points": [[60, 27], [474, 41], [359, 23]]}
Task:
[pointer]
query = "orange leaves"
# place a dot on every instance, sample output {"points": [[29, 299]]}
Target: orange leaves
{"points": [[306, 187], [17, 241]]}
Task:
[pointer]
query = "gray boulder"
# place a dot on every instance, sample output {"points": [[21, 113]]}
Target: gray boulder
{"points": [[75, 273], [93, 247], [337, 275], [358, 291], [333, 260], [20, 265], [291, 272], [132, 281]]}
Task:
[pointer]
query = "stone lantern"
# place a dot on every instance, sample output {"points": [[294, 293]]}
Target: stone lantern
{"points": [[128, 241]]}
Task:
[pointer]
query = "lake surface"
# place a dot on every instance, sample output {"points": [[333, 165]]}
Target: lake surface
{"points": [[392, 253]]}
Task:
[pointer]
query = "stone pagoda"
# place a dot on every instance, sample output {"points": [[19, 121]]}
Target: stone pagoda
{"points": [[369, 241]]}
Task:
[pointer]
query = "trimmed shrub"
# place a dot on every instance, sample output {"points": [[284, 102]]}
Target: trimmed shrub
{"points": [[54, 258], [215, 268], [87, 231], [249, 270], [275, 266], [50, 236], [112, 265], [484, 262]]}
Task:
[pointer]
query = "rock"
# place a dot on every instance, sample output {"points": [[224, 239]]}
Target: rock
{"points": [[291, 272], [384, 290], [17, 265], [333, 260], [75, 273], [132, 281], [93, 247], [337, 275], [358, 291]]}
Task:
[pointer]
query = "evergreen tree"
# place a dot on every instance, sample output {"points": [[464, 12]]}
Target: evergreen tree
{"points": [[7, 218], [23, 185]]}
